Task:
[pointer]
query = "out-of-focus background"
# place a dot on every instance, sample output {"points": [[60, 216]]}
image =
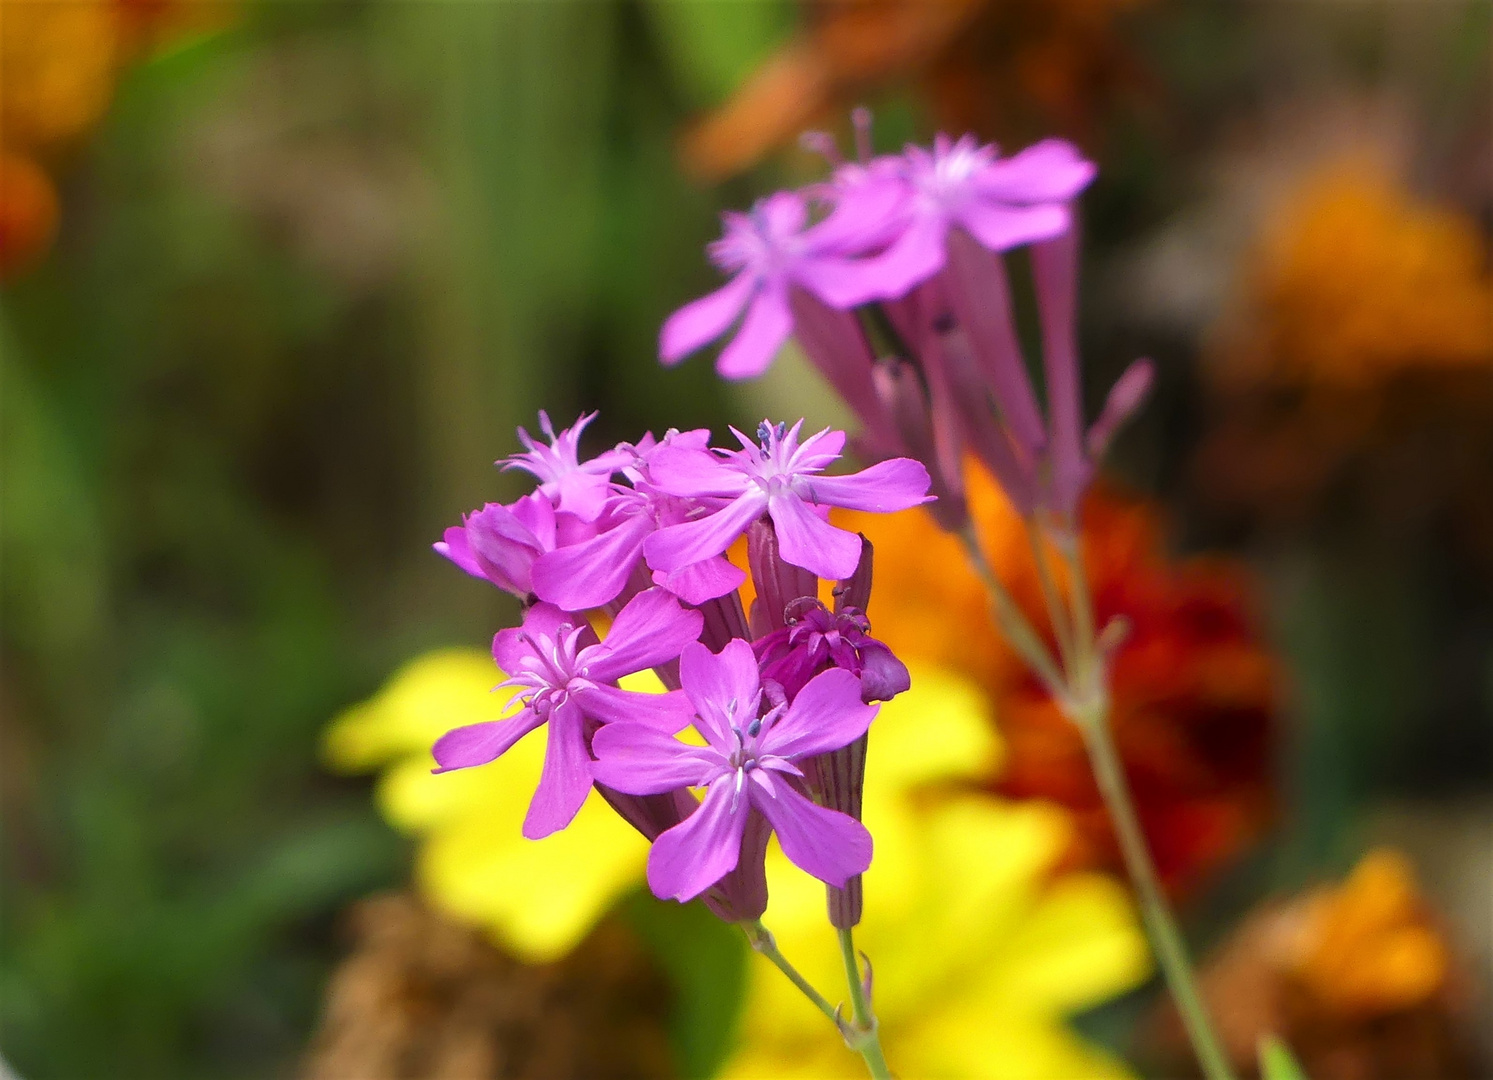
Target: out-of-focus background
{"points": [[281, 279]]}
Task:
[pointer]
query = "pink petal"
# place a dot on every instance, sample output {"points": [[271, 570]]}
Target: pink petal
{"points": [[537, 514], [678, 546], [642, 760], [582, 494], [913, 257], [1000, 228], [565, 780], [819, 450], [1049, 171], [766, 326], [884, 488], [590, 574], [689, 473], [807, 540], [669, 712], [650, 630], [713, 681], [701, 581], [513, 644], [477, 744], [831, 846], [704, 847], [827, 714], [702, 321]]}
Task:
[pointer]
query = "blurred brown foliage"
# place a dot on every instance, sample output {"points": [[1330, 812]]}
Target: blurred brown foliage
{"points": [[421, 998], [1019, 69], [1358, 978]]}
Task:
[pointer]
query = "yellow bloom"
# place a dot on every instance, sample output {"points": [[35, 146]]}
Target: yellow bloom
{"points": [[536, 898], [979, 953]]}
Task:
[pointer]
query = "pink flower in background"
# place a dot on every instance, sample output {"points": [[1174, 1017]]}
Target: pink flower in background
{"points": [[746, 767], [566, 677], [1001, 202], [782, 479], [769, 250], [574, 486]]}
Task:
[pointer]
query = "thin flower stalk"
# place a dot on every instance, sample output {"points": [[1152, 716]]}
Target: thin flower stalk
{"points": [[862, 1033]]}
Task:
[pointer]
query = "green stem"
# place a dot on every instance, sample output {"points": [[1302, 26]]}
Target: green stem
{"points": [[1012, 622], [863, 1036], [1088, 703], [762, 941], [1171, 952], [1061, 629]]}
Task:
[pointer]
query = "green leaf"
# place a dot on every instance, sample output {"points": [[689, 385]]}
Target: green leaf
{"points": [[1277, 1062]]}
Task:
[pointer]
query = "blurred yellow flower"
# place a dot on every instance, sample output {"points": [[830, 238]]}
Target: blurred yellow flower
{"points": [[979, 951], [539, 898]]}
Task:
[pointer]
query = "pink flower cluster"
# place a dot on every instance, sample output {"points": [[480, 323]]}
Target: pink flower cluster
{"points": [[781, 697], [891, 277]]}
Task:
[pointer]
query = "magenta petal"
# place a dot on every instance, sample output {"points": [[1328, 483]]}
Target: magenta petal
{"points": [[678, 546], [808, 541], [831, 846], [477, 744], [513, 644], [914, 257], [701, 581], [1000, 228], [827, 714], [590, 574], [669, 712], [704, 847], [565, 780], [714, 681], [690, 473], [453, 545], [642, 760], [766, 326], [582, 493], [650, 630], [702, 321], [885, 487], [1049, 171]]}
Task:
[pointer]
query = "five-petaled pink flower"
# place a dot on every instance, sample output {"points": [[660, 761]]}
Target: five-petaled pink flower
{"points": [[769, 250], [747, 766], [566, 678], [782, 479], [1001, 202]]}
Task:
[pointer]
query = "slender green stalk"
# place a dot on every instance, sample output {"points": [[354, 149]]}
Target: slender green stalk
{"points": [[1171, 951], [1012, 622], [863, 1035], [1060, 625], [1089, 705], [1080, 690], [762, 941]]}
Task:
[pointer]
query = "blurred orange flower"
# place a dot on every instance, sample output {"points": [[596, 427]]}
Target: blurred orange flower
{"points": [[1356, 279], [1359, 978], [59, 61], [1194, 690], [1356, 356], [1018, 69]]}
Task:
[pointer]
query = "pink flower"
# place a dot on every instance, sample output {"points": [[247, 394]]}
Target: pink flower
{"points": [[565, 678], [747, 767], [783, 480], [1001, 202], [500, 543], [574, 486], [816, 639], [768, 250]]}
